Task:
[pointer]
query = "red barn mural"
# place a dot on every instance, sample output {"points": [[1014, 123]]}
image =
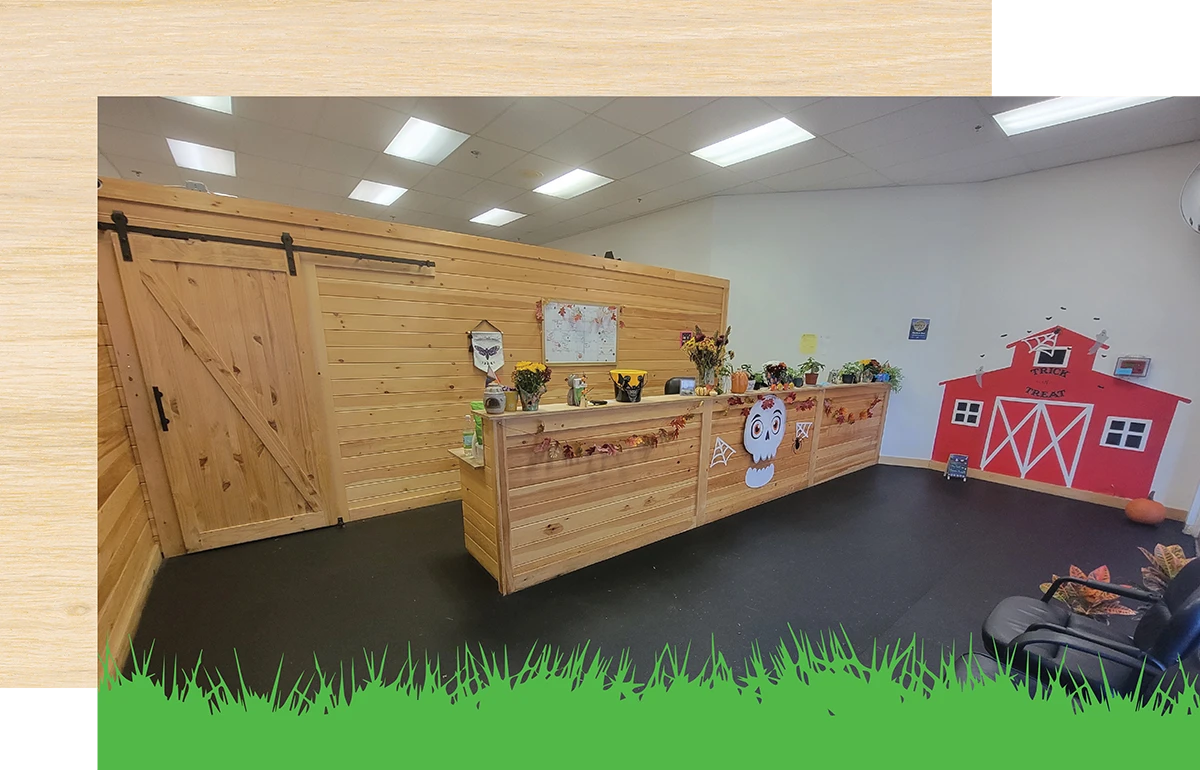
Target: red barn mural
{"points": [[1051, 417]]}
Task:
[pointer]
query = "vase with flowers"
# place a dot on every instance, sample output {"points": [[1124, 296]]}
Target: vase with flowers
{"points": [[707, 353], [530, 378], [776, 373]]}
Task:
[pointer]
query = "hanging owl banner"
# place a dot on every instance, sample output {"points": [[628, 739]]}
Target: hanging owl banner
{"points": [[488, 350]]}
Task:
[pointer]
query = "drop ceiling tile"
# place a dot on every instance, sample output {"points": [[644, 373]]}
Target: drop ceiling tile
{"points": [[327, 183], [593, 220], [714, 122], [328, 155], [266, 191], [468, 114], [399, 172], [449, 184], [670, 196], [602, 197], [274, 142], [814, 176], [994, 105], [797, 156], [981, 173], [267, 170], [492, 193], [295, 113], [643, 114], [531, 203], [490, 160], [663, 175], [1146, 118], [462, 211], [942, 140], [708, 184], [416, 200], [147, 170], [629, 159], [177, 120], [316, 201], [750, 188], [530, 171], [910, 121], [403, 104], [786, 104], [1172, 133], [829, 115], [585, 141], [114, 141], [530, 123], [133, 113], [967, 157], [359, 123], [105, 166], [586, 103]]}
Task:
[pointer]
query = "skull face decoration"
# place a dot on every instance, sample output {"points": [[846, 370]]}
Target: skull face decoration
{"points": [[762, 435]]}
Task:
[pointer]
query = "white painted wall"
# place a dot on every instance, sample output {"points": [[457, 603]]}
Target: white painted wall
{"points": [[1102, 238]]}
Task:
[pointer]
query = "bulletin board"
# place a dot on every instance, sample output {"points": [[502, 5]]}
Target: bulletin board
{"points": [[574, 333]]}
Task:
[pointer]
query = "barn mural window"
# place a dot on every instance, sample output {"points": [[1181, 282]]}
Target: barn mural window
{"points": [[967, 413], [1126, 433], [1054, 357]]}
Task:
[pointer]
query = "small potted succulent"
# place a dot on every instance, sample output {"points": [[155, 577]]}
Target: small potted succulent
{"points": [[850, 372], [811, 370]]}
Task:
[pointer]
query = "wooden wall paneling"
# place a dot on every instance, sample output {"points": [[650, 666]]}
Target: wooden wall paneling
{"points": [[127, 554], [143, 420], [503, 525], [704, 461], [847, 447]]}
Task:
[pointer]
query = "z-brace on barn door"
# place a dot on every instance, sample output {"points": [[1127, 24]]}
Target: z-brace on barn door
{"points": [[221, 332], [1036, 431]]}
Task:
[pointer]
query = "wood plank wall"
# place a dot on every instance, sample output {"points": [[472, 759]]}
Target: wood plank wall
{"points": [[399, 377], [127, 543]]}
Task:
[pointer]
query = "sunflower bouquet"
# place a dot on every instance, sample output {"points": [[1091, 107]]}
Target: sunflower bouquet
{"points": [[531, 377], [707, 352]]}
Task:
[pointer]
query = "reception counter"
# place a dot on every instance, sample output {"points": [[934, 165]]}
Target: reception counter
{"points": [[564, 487]]}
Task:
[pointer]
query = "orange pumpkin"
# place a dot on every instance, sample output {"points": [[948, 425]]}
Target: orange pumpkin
{"points": [[1146, 510], [739, 381]]}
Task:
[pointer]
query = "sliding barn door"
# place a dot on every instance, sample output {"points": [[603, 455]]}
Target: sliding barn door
{"points": [[221, 331]]}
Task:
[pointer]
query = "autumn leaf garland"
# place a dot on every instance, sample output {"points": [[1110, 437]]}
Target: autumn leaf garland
{"points": [[844, 415], [562, 450]]}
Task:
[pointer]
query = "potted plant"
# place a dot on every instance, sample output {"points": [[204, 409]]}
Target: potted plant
{"points": [[775, 372], [811, 370], [870, 368], [725, 375], [530, 378], [707, 353], [890, 374], [1092, 602], [850, 372]]}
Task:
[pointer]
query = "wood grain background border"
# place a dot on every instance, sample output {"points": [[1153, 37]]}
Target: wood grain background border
{"points": [[57, 57]]}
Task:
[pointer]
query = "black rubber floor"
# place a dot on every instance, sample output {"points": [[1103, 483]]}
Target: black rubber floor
{"points": [[887, 553]]}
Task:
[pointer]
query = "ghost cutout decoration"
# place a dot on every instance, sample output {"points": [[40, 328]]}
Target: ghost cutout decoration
{"points": [[762, 436]]}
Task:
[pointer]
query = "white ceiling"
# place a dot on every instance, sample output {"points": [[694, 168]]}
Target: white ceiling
{"points": [[311, 152]]}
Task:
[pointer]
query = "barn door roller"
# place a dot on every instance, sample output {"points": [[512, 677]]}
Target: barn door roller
{"points": [[120, 224]]}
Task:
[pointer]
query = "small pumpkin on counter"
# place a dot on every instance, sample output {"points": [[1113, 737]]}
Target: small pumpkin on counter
{"points": [[739, 381], [1146, 510]]}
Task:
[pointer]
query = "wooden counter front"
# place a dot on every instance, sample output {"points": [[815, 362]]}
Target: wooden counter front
{"points": [[535, 510]]}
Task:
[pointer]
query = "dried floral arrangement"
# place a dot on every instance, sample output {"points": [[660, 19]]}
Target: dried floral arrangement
{"points": [[564, 450]]}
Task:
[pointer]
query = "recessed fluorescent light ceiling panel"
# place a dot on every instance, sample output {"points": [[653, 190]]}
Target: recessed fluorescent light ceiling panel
{"points": [[202, 158], [757, 141], [497, 217], [216, 103], [425, 142], [1064, 109], [379, 194], [572, 183]]}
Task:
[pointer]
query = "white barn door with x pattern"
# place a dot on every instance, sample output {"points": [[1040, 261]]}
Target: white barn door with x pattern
{"points": [[1034, 436]]}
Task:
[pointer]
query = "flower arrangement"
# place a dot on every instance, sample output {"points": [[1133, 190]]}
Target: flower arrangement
{"points": [[707, 352], [870, 368], [890, 374], [530, 377], [775, 372]]}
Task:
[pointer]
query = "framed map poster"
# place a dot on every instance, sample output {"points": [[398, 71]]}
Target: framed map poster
{"points": [[579, 334]]}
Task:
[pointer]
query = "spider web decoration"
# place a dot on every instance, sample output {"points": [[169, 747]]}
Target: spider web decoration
{"points": [[1042, 341], [721, 452], [802, 429]]}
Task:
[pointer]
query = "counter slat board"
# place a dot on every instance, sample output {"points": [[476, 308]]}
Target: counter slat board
{"points": [[565, 487]]}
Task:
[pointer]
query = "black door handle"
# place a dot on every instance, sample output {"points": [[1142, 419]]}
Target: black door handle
{"points": [[162, 416]]}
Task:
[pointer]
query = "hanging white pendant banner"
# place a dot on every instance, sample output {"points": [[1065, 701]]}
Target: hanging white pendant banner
{"points": [[488, 349]]}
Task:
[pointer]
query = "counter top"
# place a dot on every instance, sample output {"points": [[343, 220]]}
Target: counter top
{"points": [[653, 400]]}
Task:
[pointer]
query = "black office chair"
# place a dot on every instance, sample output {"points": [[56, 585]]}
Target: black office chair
{"points": [[1045, 640]]}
